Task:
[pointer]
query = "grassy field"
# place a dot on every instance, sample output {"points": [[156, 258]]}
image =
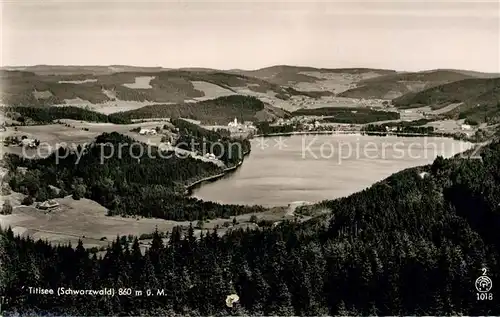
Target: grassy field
{"points": [[86, 220], [75, 133]]}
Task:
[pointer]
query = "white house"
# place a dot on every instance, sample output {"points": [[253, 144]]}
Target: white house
{"points": [[210, 156], [280, 121], [233, 124], [147, 131], [28, 142], [465, 127]]}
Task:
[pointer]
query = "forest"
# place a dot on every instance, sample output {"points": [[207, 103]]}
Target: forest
{"points": [[125, 178], [215, 111], [265, 128], [46, 115], [408, 245], [229, 150]]}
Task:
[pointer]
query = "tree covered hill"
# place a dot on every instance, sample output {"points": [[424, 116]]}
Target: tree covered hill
{"points": [[480, 99], [216, 111], [127, 177], [192, 137], [286, 74], [408, 245], [24, 88], [395, 85], [47, 115]]}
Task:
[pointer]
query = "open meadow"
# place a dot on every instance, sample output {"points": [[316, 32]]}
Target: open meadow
{"points": [[86, 220]]}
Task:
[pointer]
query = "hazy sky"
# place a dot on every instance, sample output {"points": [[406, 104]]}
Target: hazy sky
{"points": [[403, 35]]}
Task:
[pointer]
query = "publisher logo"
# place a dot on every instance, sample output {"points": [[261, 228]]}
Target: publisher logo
{"points": [[484, 284]]}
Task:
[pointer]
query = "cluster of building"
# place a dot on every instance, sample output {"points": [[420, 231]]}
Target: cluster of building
{"points": [[144, 131], [465, 127], [210, 156], [306, 122], [30, 143], [240, 127], [24, 141]]}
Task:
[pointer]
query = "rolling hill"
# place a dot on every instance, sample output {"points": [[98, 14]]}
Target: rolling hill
{"points": [[173, 86], [218, 111], [79, 70], [478, 99], [284, 74], [395, 85]]}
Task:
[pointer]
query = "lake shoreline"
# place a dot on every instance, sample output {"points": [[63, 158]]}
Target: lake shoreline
{"points": [[189, 188], [362, 133], [260, 177]]}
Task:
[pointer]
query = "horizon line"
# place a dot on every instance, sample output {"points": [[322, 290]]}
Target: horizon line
{"points": [[243, 69]]}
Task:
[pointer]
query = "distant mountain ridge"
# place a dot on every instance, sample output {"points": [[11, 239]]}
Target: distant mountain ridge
{"points": [[23, 87], [121, 88]]}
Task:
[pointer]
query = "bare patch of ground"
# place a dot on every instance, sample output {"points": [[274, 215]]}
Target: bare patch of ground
{"points": [[112, 106], [211, 91], [446, 109], [90, 80], [141, 82], [121, 105], [448, 126], [111, 94], [392, 94], [294, 205], [415, 86], [42, 94], [75, 102]]}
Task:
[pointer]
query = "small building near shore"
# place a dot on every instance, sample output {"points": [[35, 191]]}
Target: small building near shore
{"points": [[147, 131], [48, 205], [28, 143]]}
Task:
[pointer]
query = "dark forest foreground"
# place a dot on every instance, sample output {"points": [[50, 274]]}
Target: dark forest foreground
{"points": [[408, 245]]}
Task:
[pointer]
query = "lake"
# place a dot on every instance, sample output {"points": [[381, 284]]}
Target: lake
{"points": [[312, 168]]}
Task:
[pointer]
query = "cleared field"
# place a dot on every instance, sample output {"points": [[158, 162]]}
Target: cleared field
{"points": [[210, 90], [108, 107], [42, 94], [141, 82], [53, 135], [86, 220], [450, 126], [89, 80]]}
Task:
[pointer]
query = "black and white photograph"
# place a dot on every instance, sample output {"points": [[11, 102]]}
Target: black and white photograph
{"points": [[249, 158]]}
